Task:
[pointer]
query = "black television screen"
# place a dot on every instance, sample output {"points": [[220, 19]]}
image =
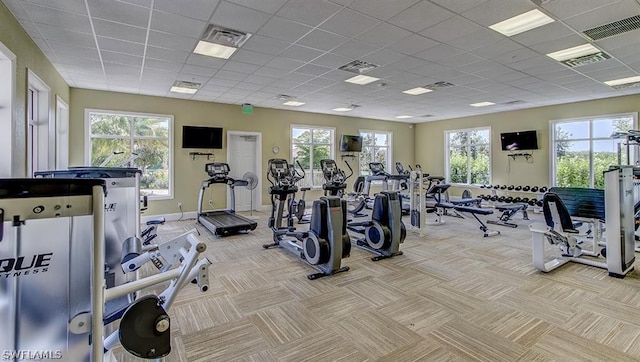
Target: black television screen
{"points": [[201, 137], [515, 141], [351, 143]]}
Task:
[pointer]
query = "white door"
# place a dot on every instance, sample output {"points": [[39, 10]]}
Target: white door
{"points": [[243, 155]]}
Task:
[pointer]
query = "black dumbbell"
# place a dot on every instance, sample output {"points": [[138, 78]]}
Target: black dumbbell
{"points": [[481, 197], [534, 189], [493, 198], [508, 199], [526, 188], [532, 202], [496, 186], [525, 200], [481, 186], [510, 187], [501, 199], [543, 189], [539, 203], [517, 199], [518, 188], [503, 187]]}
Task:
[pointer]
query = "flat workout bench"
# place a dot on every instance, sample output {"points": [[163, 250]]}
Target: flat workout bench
{"points": [[474, 211], [508, 212]]}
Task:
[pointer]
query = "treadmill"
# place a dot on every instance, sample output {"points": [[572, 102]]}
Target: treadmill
{"points": [[223, 222]]}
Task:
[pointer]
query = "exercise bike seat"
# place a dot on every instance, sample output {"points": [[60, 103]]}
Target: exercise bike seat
{"points": [[304, 188], [156, 221]]}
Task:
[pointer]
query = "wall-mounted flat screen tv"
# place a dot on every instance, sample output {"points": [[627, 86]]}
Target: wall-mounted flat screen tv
{"points": [[201, 137], [515, 141], [350, 143]]}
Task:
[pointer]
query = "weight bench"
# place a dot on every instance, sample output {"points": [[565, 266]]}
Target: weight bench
{"points": [[508, 212], [475, 211]]}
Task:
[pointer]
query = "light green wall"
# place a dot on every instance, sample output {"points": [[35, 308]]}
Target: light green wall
{"points": [[430, 146], [273, 124], [28, 56]]}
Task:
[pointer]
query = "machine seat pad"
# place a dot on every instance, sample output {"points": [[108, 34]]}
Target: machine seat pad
{"points": [[511, 207], [465, 201], [474, 210], [156, 221]]}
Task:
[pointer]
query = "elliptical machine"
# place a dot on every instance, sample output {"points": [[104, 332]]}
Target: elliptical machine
{"points": [[298, 206], [335, 182], [326, 242]]}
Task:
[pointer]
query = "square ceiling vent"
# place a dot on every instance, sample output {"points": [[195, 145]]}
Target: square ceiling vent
{"points": [[439, 85], [613, 28], [225, 36], [358, 67]]}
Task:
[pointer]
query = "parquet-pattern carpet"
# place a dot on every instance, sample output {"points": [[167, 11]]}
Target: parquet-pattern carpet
{"points": [[453, 296]]}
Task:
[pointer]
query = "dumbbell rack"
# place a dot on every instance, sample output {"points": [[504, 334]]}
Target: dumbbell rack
{"points": [[496, 199]]}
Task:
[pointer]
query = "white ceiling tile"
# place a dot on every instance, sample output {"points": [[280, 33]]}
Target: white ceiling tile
{"points": [[408, 63], [310, 12], [196, 9], [240, 67], [120, 46], [121, 70], [298, 77], [121, 58], [349, 23], [301, 53], [256, 79], [268, 6], [331, 60], [421, 16], [458, 60], [497, 48], [321, 82], [338, 75], [313, 69], [478, 39], [67, 36], [438, 52], [202, 79], [222, 82], [239, 17], [284, 63], [459, 6], [413, 44], [78, 21], [205, 61], [544, 33], [271, 72], [143, 3], [248, 86], [383, 35], [176, 24], [514, 56], [119, 12], [197, 70], [284, 29], [454, 27], [167, 55], [251, 57], [567, 8], [16, 9], [430, 69], [383, 57], [229, 75], [174, 42], [263, 44], [555, 44], [105, 28], [354, 49], [162, 65], [494, 11], [622, 41], [381, 9], [612, 12], [322, 40]]}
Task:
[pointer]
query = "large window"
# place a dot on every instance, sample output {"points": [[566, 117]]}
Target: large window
{"points": [[117, 139], [583, 148], [468, 155], [309, 145], [376, 147]]}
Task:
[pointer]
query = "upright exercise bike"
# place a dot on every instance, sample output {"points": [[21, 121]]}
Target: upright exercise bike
{"points": [[335, 182], [326, 242], [298, 206]]}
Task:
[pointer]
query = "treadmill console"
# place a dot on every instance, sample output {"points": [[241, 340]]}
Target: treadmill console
{"points": [[217, 169], [376, 168]]}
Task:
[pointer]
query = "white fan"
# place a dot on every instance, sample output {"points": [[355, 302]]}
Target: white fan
{"points": [[252, 183]]}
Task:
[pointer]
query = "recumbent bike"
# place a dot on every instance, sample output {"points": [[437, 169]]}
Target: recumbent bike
{"points": [[326, 242], [383, 234]]}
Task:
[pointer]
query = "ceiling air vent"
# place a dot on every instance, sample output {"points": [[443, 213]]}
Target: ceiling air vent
{"points": [[185, 84], [284, 97], [586, 59], [614, 28], [438, 85], [626, 86], [358, 67], [426, 116], [512, 103], [225, 36]]}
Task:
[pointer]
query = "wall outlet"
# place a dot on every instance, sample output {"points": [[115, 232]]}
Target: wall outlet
{"points": [[211, 203], [179, 205]]}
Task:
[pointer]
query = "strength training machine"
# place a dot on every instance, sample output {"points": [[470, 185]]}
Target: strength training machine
{"points": [[326, 242]]}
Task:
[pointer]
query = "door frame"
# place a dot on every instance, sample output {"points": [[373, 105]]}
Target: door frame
{"points": [[257, 205], [62, 121], [8, 114]]}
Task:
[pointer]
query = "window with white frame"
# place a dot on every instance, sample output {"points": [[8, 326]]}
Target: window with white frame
{"points": [[309, 145], [468, 155], [120, 139], [583, 148], [376, 147]]}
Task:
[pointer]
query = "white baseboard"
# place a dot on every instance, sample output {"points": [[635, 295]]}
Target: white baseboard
{"points": [[169, 217]]}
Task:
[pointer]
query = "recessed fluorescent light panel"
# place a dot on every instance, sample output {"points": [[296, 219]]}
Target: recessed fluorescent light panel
{"points": [[293, 103], [361, 79], [417, 91], [482, 104], [180, 86], [575, 52], [404, 117], [214, 50], [521, 23], [624, 83], [343, 109]]}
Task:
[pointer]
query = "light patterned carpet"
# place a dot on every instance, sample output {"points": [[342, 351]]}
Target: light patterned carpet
{"points": [[453, 296]]}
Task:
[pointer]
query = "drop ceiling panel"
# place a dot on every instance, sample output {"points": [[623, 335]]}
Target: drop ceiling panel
{"points": [[542, 34], [169, 41], [454, 27], [381, 9], [197, 70], [263, 44], [421, 16], [311, 69], [119, 12], [44, 15], [67, 36], [301, 53], [413, 44], [239, 17], [202, 79], [176, 24], [460, 59], [284, 29], [494, 11], [497, 48], [321, 40], [459, 6], [438, 52], [251, 57], [603, 15], [354, 49], [240, 67], [196, 9], [349, 23], [267, 6], [383, 57], [121, 58], [407, 63], [162, 65], [166, 54], [383, 35], [204, 61], [113, 30], [271, 72], [284, 64], [568, 8], [555, 44], [310, 12], [332, 60]]}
